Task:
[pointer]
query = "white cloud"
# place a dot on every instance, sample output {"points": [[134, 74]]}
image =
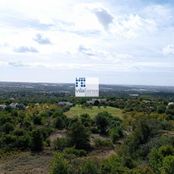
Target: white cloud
{"points": [[132, 26], [162, 14], [168, 50]]}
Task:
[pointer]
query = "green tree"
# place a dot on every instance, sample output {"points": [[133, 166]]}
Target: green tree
{"points": [[36, 141], [60, 122], [102, 122], [79, 136], [161, 109]]}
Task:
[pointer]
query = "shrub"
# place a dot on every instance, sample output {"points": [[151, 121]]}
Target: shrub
{"points": [[23, 142], [86, 120], [46, 131], [156, 156], [7, 127], [89, 167], [112, 165], [19, 132], [76, 152], [145, 169], [59, 164], [7, 141], [60, 144], [168, 165], [102, 143], [116, 133], [37, 119]]}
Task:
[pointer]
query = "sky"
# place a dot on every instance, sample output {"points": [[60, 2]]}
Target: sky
{"points": [[118, 41]]}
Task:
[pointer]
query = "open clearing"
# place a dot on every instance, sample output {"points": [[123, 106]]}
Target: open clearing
{"points": [[93, 111]]}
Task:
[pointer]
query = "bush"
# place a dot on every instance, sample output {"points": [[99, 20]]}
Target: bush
{"points": [[76, 152], [89, 167], [116, 133], [145, 169], [102, 143], [60, 144], [7, 141], [19, 132], [168, 165], [46, 131], [156, 156], [7, 128], [112, 165], [37, 119], [23, 142], [86, 120], [59, 164]]}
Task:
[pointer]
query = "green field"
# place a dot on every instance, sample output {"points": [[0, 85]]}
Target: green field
{"points": [[93, 111]]}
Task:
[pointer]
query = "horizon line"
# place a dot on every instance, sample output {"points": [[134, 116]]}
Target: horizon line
{"points": [[114, 84]]}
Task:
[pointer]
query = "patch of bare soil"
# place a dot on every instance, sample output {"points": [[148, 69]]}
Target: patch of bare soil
{"points": [[57, 134]]}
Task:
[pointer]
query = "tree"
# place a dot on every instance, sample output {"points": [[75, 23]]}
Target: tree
{"points": [[170, 109], [161, 109], [60, 122], [102, 122], [79, 136], [36, 141]]}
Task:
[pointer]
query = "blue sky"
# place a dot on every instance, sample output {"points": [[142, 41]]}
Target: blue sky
{"points": [[120, 42]]}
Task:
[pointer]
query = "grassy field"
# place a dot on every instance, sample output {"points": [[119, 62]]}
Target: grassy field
{"points": [[93, 111]]}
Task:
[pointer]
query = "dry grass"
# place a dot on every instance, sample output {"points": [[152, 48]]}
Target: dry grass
{"points": [[26, 163]]}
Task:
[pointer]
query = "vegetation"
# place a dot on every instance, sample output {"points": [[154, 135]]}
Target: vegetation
{"points": [[129, 135]]}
